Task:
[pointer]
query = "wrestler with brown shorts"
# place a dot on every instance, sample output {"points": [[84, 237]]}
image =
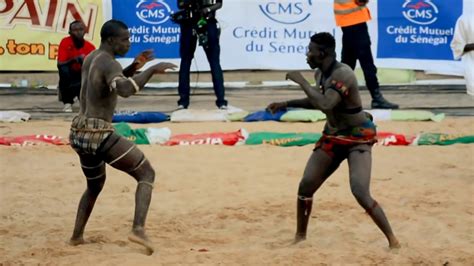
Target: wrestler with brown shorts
{"points": [[92, 135], [348, 134]]}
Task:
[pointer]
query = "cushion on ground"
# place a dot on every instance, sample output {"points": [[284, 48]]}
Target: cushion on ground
{"points": [[416, 115], [14, 116], [139, 117], [303, 115], [264, 116], [195, 115]]}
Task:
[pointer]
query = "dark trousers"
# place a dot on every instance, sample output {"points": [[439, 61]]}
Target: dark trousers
{"points": [[67, 95], [69, 85], [356, 46], [188, 43]]}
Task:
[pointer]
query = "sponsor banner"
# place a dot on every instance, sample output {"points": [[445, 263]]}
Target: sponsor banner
{"points": [[417, 29], [443, 139], [31, 140], [32, 29], [271, 34], [282, 139], [150, 26], [217, 138], [255, 34], [393, 139]]}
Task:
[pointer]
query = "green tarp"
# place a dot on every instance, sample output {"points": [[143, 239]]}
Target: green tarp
{"points": [[443, 139], [282, 139], [138, 136]]}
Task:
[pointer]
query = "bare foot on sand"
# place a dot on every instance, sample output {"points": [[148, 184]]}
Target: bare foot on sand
{"points": [[299, 238], [394, 244], [76, 241], [139, 237]]}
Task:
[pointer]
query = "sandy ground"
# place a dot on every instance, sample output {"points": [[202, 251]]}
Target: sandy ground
{"points": [[236, 205]]}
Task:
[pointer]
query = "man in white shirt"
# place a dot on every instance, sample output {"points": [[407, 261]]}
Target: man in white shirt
{"points": [[463, 47]]}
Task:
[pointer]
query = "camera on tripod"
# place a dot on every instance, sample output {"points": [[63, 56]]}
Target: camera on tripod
{"points": [[190, 11], [185, 12]]}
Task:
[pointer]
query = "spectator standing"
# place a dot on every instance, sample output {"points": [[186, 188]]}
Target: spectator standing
{"points": [[463, 48], [352, 17], [199, 25]]}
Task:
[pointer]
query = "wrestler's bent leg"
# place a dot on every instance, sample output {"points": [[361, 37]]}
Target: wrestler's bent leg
{"points": [[318, 168], [125, 156], [360, 163], [94, 170]]}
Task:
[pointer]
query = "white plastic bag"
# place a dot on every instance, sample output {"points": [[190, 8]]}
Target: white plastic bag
{"points": [[14, 116]]}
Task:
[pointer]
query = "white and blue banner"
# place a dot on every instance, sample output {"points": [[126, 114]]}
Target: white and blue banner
{"points": [[274, 34], [266, 34], [417, 29], [149, 25]]}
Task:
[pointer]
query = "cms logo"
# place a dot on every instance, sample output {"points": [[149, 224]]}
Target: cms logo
{"points": [[153, 11], [290, 12], [422, 12]]}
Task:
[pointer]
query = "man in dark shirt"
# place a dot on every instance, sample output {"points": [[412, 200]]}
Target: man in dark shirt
{"points": [[352, 17], [201, 25]]}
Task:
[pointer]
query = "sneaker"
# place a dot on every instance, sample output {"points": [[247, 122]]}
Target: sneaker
{"points": [[67, 108], [181, 107], [223, 107]]}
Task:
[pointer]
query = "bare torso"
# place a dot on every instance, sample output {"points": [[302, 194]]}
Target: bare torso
{"points": [[340, 117], [97, 99]]}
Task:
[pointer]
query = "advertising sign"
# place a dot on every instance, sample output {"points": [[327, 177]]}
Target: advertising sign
{"points": [[255, 34], [417, 29], [32, 29], [270, 33], [150, 26]]}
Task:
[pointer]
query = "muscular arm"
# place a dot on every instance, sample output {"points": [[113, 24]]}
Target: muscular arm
{"points": [[126, 87], [138, 62], [321, 101], [130, 70], [144, 76], [115, 79], [300, 103]]}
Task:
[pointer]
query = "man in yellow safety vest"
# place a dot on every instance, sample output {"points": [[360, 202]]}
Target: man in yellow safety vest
{"points": [[352, 17]]}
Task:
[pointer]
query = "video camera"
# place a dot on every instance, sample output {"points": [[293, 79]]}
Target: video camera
{"points": [[190, 9], [185, 12]]}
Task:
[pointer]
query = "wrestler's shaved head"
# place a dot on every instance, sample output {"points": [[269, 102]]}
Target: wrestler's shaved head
{"points": [[324, 39], [112, 28]]}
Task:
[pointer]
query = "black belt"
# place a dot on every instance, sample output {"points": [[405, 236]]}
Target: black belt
{"points": [[351, 111]]}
